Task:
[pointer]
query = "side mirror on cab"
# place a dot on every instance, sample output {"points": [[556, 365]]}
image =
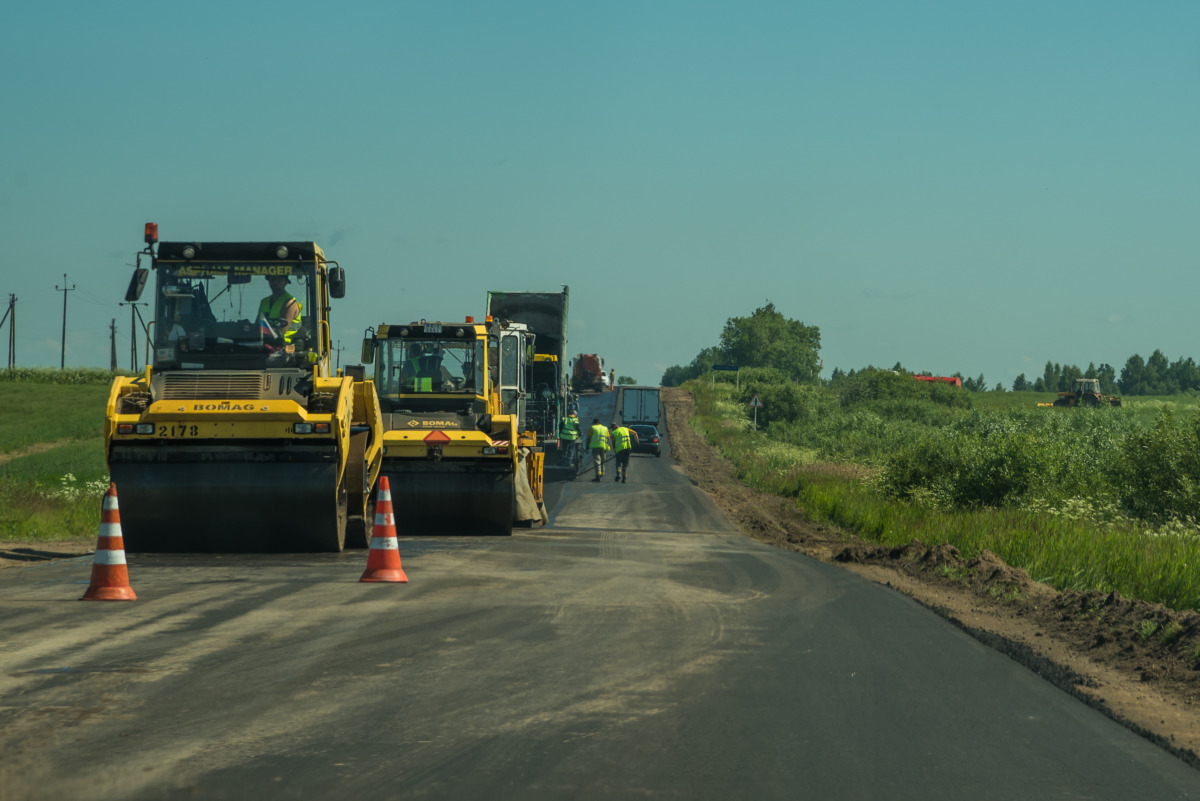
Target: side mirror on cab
{"points": [[337, 282], [368, 351], [136, 284]]}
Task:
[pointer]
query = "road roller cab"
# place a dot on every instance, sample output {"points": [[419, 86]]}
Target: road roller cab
{"points": [[237, 437], [455, 451]]}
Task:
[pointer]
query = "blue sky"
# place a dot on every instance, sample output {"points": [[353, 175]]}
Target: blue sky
{"points": [[974, 187]]}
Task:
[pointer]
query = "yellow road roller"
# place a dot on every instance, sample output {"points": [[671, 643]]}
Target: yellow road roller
{"points": [[456, 451], [238, 437]]}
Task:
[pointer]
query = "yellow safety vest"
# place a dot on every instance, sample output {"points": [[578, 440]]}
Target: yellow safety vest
{"points": [[419, 384], [276, 310], [569, 428], [622, 439], [598, 438]]}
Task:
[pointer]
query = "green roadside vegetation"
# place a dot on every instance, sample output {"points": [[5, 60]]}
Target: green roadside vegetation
{"points": [[1083, 499], [52, 470]]}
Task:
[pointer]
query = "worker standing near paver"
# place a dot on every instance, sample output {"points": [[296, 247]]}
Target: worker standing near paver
{"points": [[568, 436], [624, 439], [598, 444]]}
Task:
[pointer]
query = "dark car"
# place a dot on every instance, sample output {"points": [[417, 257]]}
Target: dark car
{"points": [[648, 440]]}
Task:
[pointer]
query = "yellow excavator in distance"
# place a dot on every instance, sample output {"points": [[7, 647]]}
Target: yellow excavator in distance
{"points": [[238, 437]]}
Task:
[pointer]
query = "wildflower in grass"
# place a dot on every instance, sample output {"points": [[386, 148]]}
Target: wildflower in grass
{"points": [[1181, 528], [70, 489]]}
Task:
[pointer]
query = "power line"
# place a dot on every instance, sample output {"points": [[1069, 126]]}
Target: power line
{"points": [[86, 297]]}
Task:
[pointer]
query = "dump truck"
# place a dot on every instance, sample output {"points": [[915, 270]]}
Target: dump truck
{"points": [[456, 450], [638, 405], [1086, 392], [549, 399], [238, 437], [588, 373]]}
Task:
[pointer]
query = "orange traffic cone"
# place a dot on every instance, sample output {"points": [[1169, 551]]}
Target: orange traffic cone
{"points": [[110, 578], [383, 561]]}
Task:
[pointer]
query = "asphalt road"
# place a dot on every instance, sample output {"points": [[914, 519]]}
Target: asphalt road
{"points": [[637, 647]]}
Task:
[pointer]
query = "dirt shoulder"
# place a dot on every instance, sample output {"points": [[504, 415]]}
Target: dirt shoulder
{"points": [[1132, 660], [24, 552]]}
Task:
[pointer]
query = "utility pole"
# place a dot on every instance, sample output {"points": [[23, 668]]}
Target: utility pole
{"points": [[134, 317], [11, 316], [112, 338], [62, 365]]}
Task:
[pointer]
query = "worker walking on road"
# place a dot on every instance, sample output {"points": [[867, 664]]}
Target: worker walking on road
{"points": [[624, 439], [597, 442], [568, 435]]}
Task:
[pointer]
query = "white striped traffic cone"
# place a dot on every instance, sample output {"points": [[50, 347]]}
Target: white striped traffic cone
{"points": [[110, 577], [383, 562]]}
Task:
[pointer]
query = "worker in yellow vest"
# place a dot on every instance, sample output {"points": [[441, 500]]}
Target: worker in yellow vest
{"points": [[414, 377], [598, 444], [624, 439], [568, 436], [282, 307]]}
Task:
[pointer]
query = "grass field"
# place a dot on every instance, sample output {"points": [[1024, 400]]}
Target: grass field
{"points": [[38, 413], [54, 493]]}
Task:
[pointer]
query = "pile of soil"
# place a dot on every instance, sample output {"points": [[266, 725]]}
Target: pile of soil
{"points": [[1137, 662]]}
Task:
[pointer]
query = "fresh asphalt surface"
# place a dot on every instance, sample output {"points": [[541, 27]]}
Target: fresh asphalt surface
{"points": [[637, 647]]}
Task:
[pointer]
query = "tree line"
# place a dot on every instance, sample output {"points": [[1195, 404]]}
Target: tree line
{"points": [[767, 338], [1153, 376], [764, 339], [840, 377]]}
